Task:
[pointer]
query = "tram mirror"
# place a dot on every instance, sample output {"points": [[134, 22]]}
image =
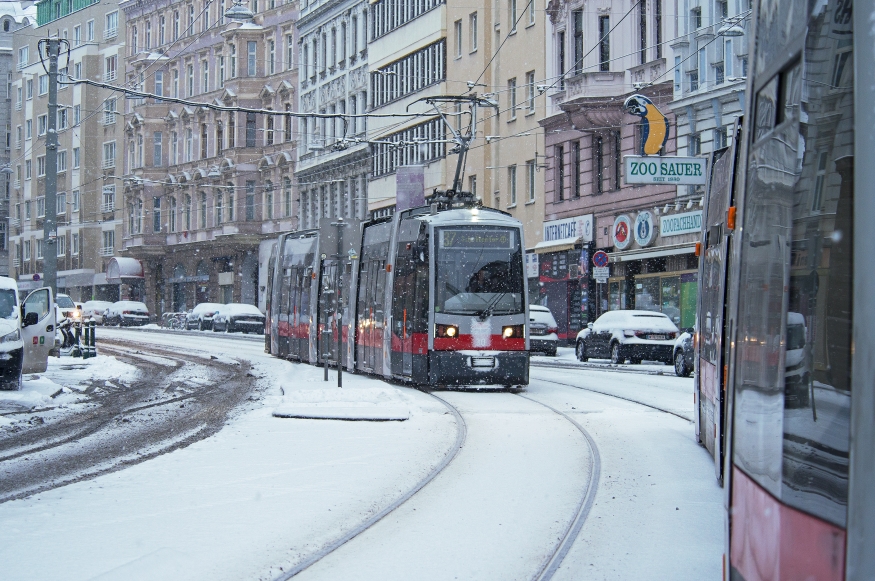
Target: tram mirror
{"points": [[422, 257]]}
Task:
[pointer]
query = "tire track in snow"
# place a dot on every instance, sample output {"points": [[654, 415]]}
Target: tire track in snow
{"points": [[461, 435]]}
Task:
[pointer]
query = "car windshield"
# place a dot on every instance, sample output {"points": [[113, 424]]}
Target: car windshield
{"points": [[65, 302], [478, 268], [7, 303]]}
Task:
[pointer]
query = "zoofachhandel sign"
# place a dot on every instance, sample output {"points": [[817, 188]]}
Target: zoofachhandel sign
{"points": [[651, 169], [678, 224]]}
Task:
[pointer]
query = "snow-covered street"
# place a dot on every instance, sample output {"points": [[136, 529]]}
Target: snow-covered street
{"points": [[471, 485]]}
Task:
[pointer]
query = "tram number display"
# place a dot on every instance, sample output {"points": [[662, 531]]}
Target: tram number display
{"points": [[664, 169], [477, 239]]}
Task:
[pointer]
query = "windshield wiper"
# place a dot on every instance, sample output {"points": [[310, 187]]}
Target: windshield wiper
{"points": [[487, 312]]}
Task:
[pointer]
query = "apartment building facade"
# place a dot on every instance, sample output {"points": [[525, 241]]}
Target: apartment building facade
{"points": [[12, 16], [598, 55], [333, 157], [710, 49], [88, 210], [492, 54], [204, 187]]}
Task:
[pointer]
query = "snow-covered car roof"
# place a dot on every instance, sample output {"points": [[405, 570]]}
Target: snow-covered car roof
{"points": [[64, 301], [130, 305], [98, 304], [636, 318], [239, 309], [8, 283], [202, 307]]}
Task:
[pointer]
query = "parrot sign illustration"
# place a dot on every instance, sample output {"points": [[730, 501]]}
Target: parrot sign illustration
{"points": [[654, 124]]}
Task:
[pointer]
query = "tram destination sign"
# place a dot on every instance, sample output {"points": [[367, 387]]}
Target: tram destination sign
{"points": [[664, 169]]}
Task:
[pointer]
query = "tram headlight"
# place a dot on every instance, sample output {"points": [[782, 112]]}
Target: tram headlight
{"points": [[450, 331], [513, 331]]}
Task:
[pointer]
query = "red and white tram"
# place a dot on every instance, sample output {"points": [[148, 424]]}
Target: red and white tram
{"points": [[786, 337], [433, 296]]}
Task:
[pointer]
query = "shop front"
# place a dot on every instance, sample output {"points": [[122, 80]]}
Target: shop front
{"points": [[653, 263], [563, 282]]}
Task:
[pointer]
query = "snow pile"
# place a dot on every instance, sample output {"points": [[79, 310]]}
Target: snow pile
{"points": [[36, 391], [356, 403]]}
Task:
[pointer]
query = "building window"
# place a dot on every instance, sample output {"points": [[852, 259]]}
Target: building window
{"points": [[76, 159], [530, 90], [560, 172], [409, 74], [74, 243], [250, 200], [268, 130], [29, 89], [62, 161], [287, 197], [109, 154], [268, 200], [598, 162], [530, 180], [290, 55], [61, 203], [203, 140], [230, 202], [189, 70], [23, 57], [108, 198], [251, 47], [189, 145], [75, 207], [219, 209], [512, 14], [156, 215], [42, 124], [111, 28], [694, 146], [62, 119], [271, 57], [721, 137], [41, 166], [220, 139], [175, 76], [577, 20], [28, 169], [41, 207], [110, 68], [205, 77], [472, 24], [221, 72], [174, 148], [157, 143], [250, 129], [232, 130], [109, 111], [677, 74], [604, 43], [458, 31], [77, 35], [511, 184], [817, 196], [171, 215], [203, 210], [694, 81], [186, 213], [43, 84], [575, 167], [108, 243], [472, 185], [89, 31], [696, 18], [232, 62], [511, 96]]}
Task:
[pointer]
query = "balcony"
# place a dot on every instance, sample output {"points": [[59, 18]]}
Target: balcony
{"points": [[16, 262], [110, 33], [107, 207], [109, 163], [107, 251]]}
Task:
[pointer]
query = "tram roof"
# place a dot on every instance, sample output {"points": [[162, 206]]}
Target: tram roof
{"points": [[468, 216]]}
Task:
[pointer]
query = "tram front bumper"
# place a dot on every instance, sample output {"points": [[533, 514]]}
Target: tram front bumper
{"points": [[479, 367]]}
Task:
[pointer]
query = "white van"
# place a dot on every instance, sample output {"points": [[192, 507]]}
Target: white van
{"points": [[27, 332]]}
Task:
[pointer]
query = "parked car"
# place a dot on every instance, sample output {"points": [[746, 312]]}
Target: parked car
{"points": [[543, 330], [633, 335], [127, 313], [238, 317], [684, 354], [27, 329], [95, 311], [797, 377], [201, 316]]}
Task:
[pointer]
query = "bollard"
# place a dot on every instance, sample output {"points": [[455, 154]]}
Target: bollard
{"points": [[85, 353], [77, 351], [93, 326]]}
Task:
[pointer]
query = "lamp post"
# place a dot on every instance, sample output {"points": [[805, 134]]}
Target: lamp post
{"points": [[239, 12], [338, 297]]}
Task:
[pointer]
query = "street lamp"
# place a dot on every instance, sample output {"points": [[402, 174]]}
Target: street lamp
{"points": [[730, 30]]}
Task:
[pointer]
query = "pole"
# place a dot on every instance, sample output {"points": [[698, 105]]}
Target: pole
{"points": [[50, 253], [339, 301]]}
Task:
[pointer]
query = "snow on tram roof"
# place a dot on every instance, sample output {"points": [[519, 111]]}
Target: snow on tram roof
{"points": [[471, 216]]}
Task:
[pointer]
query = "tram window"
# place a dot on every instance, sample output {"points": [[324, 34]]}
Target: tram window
{"points": [[792, 381], [478, 269]]}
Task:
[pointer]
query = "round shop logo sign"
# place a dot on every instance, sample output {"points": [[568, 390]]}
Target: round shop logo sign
{"points": [[622, 232], [645, 230]]}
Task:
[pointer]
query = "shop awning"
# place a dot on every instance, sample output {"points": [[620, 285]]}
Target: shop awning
{"points": [[120, 267], [556, 245], [642, 253]]}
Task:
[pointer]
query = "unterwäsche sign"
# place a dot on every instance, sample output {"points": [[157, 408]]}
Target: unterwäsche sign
{"points": [[664, 169]]}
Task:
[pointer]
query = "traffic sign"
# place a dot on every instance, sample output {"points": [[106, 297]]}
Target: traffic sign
{"points": [[600, 272], [600, 258]]}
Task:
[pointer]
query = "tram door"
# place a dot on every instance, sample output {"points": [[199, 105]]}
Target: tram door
{"points": [[370, 311], [284, 322], [293, 312], [710, 380], [410, 300], [328, 313]]}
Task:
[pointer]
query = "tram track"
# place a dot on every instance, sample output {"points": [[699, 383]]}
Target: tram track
{"points": [[452, 452]]}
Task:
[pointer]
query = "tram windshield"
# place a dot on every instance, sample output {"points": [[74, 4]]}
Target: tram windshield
{"points": [[479, 270]]}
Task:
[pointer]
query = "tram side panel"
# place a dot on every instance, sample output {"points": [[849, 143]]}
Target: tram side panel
{"points": [[409, 330], [371, 315]]}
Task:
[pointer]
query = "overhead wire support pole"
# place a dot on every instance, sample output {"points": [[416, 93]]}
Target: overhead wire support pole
{"points": [[52, 47]]}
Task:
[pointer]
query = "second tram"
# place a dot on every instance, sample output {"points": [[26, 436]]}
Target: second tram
{"points": [[432, 296]]}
